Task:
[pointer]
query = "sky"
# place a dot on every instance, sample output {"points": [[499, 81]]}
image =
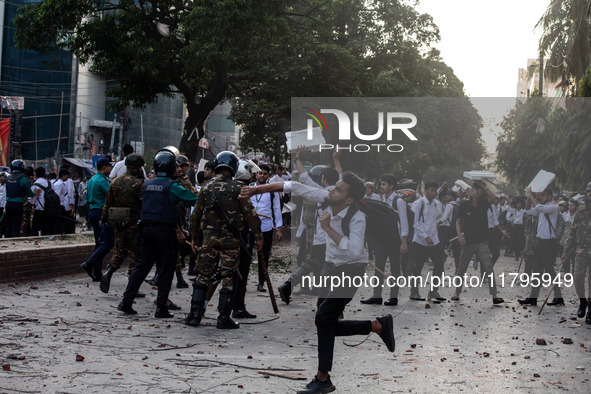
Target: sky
{"points": [[486, 42]]}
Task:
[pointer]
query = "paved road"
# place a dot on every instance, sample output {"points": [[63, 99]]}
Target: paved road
{"points": [[454, 346]]}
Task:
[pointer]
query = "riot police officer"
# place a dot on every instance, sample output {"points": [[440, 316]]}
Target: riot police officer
{"points": [[124, 205], [222, 217], [158, 241], [18, 188]]}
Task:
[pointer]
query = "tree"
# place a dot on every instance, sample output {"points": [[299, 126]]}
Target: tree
{"points": [[357, 49], [158, 47], [561, 146], [566, 40]]}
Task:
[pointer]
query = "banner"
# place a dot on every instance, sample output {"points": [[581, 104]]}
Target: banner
{"points": [[4, 137]]}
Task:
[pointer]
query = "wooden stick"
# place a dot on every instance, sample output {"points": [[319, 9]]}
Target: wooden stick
{"points": [[377, 269], [268, 280], [281, 375], [264, 216]]}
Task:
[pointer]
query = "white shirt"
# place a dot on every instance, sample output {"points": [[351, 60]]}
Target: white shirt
{"points": [[262, 204], [568, 218], [81, 193], [515, 216], [61, 190], [545, 230], [308, 192], [351, 249], [425, 223], [319, 234], [39, 201], [448, 212], [120, 168], [493, 217], [71, 194]]}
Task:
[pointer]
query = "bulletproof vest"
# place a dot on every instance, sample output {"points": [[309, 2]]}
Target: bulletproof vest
{"points": [[13, 187], [156, 206], [225, 192]]}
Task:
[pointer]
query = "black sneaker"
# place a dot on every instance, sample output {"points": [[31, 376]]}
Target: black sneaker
{"points": [[391, 302], [529, 301], [416, 297], [261, 288], [556, 302], [316, 386], [243, 314], [128, 310], [372, 301], [387, 333], [433, 295]]}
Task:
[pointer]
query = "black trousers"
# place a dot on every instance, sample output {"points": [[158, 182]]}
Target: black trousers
{"points": [[518, 239], [494, 244], [264, 254], [14, 218], [419, 254], [330, 307], [243, 269], [544, 259], [158, 243], [386, 250]]}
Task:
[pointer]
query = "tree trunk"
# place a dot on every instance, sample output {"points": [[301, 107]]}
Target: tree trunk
{"points": [[197, 113]]}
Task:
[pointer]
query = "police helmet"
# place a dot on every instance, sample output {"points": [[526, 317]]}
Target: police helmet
{"points": [[226, 159], [172, 149], [316, 173], [182, 159], [245, 169], [17, 166], [165, 163], [134, 161]]}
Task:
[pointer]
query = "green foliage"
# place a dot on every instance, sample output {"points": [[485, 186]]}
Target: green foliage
{"points": [[565, 40], [585, 84], [261, 53], [563, 147]]}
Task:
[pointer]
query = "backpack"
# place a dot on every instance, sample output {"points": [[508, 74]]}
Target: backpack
{"points": [[52, 205], [560, 226], [410, 216], [381, 220]]}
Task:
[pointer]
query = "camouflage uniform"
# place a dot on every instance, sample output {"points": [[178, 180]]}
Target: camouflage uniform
{"points": [[220, 243], [580, 239], [125, 191]]}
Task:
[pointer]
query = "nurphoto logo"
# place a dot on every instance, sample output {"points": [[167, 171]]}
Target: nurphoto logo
{"points": [[393, 126]]}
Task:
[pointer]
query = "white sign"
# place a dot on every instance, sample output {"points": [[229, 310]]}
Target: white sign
{"points": [[542, 181], [478, 175], [463, 186], [298, 138]]}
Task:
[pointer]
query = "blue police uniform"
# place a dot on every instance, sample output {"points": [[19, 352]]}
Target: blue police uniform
{"points": [[158, 241]]}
